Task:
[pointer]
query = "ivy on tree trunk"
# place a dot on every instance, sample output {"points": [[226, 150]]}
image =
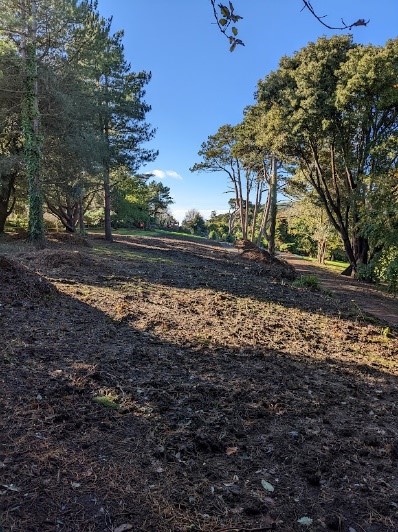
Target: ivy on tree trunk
{"points": [[32, 146]]}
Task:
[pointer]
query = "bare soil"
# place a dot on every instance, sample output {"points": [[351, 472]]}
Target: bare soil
{"points": [[168, 384], [368, 298]]}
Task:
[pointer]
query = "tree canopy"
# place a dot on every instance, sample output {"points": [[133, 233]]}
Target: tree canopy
{"points": [[75, 110]]}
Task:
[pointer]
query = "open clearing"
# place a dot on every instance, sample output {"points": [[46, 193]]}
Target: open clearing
{"points": [[166, 384]]}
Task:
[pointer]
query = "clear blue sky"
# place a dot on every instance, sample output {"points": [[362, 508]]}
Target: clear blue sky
{"points": [[198, 85]]}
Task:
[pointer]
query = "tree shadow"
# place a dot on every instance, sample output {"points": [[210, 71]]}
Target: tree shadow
{"points": [[186, 434], [183, 264]]}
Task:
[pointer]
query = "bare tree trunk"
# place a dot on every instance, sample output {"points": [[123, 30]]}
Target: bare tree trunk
{"points": [[240, 202], [273, 190], [106, 176], [264, 220], [82, 228], [321, 251], [6, 191], [107, 206], [256, 208]]}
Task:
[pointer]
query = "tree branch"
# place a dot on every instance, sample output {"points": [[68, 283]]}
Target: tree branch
{"points": [[360, 22], [225, 17]]}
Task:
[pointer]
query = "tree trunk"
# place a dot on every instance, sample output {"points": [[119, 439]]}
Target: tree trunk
{"points": [[321, 251], [6, 190], [357, 251], [360, 246], [107, 206], [273, 206], [256, 208], [82, 229], [106, 173], [31, 132]]}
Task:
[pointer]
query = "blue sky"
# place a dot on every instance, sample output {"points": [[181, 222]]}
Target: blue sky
{"points": [[198, 85]]}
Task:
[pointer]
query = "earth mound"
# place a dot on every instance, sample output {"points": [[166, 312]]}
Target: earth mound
{"points": [[50, 259], [71, 239], [18, 283], [265, 263]]}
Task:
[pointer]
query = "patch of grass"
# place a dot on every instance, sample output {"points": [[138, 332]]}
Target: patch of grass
{"points": [[108, 400], [307, 281], [153, 233], [114, 251], [333, 265]]}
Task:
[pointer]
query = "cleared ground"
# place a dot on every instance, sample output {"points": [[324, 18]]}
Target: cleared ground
{"points": [[169, 385]]}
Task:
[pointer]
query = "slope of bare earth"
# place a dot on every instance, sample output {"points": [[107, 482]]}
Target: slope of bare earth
{"points": [[166, 384]]}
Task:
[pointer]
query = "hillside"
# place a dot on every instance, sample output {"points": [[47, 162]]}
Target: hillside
{"points": [[165, 383]]}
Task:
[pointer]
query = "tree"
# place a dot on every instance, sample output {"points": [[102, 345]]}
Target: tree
{"points": [[11, 147], [331, 111], [38, 31], [194, 222], [121, 113], [310, 229], [158, 199], [71, 147], [219, 227], [79, 99], [137, 203], [221, 153]]}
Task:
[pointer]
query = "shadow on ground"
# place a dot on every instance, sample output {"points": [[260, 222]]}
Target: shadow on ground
{"points": [[164, 404]]}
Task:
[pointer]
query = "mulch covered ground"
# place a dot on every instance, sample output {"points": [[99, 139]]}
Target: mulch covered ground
{"points": [[163, 384]]}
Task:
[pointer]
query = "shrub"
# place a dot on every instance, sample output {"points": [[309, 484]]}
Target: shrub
{"points": [[307, 281], [287, 246], [213, 235], [366, 272], [391, 276]]}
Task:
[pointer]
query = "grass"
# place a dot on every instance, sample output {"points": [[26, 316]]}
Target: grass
{"points": [[108, 400], [144, 232], [332, 265], [130, 255], [307, 281]]}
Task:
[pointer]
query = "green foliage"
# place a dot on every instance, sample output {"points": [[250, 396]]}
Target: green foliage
{"points": [[213, 235], [194, 223], [391, 275], [108, 401], [218, 227], [288, 246], [330, 112], [386, 268], [225, 16], [80, 108], [307, 281], [366, 272], [303, 228]]}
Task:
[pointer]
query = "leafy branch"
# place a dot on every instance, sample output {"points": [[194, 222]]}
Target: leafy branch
{"points": [[360, 22], [226, 18]]}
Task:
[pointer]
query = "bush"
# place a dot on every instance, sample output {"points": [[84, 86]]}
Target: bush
{"points": [[391, 276], [307, 281], [213, 235], [366, 272], [287, 246]]}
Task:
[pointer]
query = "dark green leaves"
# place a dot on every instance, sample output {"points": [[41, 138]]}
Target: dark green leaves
{"points": [[225, 16]]}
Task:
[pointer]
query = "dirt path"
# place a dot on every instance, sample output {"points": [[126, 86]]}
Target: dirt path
{"points": [[370, 300]]}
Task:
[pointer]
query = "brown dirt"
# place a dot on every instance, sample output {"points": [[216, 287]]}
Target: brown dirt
{"points": [[367, 297], [267, 264], [166, 384]]}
